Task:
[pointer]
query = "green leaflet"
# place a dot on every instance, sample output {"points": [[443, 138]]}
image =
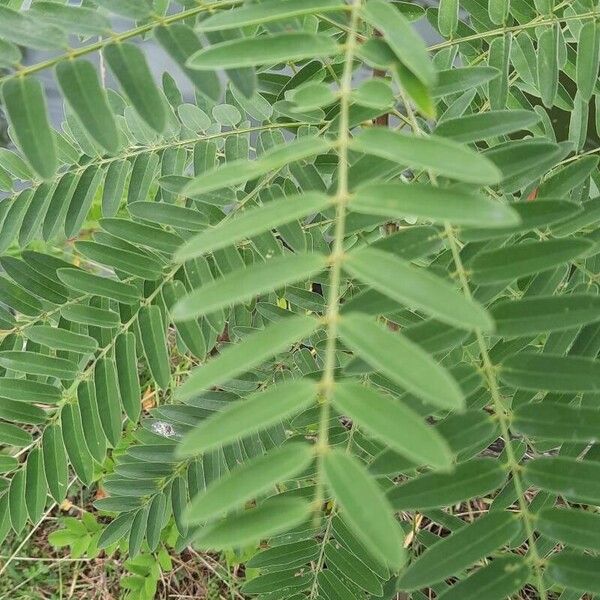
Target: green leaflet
{"points": [[533, 215], [25, 106], [38, 364], [167, 214], [243, 284], [554, 373], [401, 360], [557, 422], [107, 399], [81, 200], [448, 17], [181, 42], [93, 433], [267, 12], [189, 331], [55, 462], [460, 550], [88, 283], [254, 525], [79, 84], [547, 313], [256, 412], [142, 234], [575, 480], [588, 59], [241, 171], [469, 479], [35, 485], [16, 501], [416, 288], [8, 463], [268, 49], [575, 527], [575, 571], [90, 315], [247, 354], [31, 280], [501, 578], [453, 81], [156, 516], [135, 264], [364, 507], [253, 222], [24, 30], [407, 45], [480, 126], [547, 65], [24, 390], [62, 339], [72, 19], [248, 481], [394, 424], [129, 66], [127, 375], [511, 262], [114, 186], [74, 440], [14, 436], [154, 343], [440, 155]]}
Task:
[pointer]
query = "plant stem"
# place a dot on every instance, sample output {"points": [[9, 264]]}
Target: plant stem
{"points": [[337, 254]]}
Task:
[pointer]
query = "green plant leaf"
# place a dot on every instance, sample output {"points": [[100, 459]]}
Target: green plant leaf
{"points": [[548, 313], [249, 353], [267, 13], [401, 360], [251, 526], [79, 84], [469, 479], [460, 550], [440, 155], [480, 126], [154, 343], [248, 481], [55, 462], [502, 577], [531, 371], [253, 222], [241, 171], [129, 66], [506, 264], [393, 424], [358, 495], [557, 422], [243, 284], [38, 364], [25, 105], [416, 288], [575, 480], [575, 571], [271, 49], [575, 527], [256, 412]]}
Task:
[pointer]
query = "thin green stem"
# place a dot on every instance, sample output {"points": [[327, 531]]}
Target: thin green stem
{"points": [[490, 376], [503, 421], [337, 253]]}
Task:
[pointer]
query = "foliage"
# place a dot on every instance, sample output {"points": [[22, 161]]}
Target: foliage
{"points": [[349, 288]]}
